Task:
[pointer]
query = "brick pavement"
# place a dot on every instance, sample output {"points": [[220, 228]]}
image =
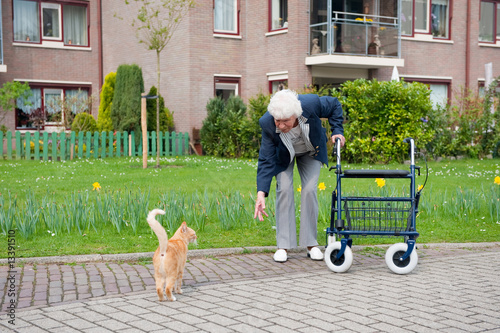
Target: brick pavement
{"points": [[453, 289]]}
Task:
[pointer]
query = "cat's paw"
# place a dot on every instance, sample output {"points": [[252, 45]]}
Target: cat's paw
{"points": [[179, 291]]}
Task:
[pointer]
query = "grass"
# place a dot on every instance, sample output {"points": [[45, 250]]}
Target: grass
{"points": [[460, 203]]}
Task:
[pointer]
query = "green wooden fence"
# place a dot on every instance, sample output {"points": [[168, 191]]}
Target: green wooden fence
{"points": [[69, 145]]}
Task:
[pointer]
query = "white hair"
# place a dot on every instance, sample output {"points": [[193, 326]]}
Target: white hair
{"points": [[284, 104]]}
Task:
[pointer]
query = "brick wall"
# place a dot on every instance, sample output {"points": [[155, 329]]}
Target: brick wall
{"points": [[51, 64]]}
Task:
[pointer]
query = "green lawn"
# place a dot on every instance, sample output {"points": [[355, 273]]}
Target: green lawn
{"points": [[460, 203]]}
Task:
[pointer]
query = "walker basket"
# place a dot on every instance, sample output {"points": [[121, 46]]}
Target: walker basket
{"points": [[378, 216]]}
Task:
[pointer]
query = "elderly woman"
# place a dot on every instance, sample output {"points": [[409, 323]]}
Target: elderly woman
{"points": [[292, 132]]}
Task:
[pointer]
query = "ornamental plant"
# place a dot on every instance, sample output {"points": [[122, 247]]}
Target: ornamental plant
{"points": [[104, 123], [126, 105], [226, 131], [380, 115]]}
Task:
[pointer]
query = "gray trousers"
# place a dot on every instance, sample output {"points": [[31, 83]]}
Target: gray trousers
{"points": [[286, 231]]}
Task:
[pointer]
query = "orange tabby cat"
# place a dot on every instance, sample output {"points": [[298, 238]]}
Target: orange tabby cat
{"points": [[170, 257]]}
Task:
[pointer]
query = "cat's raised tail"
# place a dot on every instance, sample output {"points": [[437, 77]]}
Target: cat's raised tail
{"points": [[158, 229]]}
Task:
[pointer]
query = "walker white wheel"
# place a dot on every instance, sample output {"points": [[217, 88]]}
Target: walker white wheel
{"points": [[394, 253], [342, 264]]}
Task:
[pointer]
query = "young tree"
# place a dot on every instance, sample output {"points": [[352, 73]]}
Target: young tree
{"points": [[155, 24], [9, 92]]}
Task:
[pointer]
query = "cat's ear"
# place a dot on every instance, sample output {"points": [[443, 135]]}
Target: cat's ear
{"points": [[184, 226]]}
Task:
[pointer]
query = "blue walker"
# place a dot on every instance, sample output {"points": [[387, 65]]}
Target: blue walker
{"points": [[373, 216]]}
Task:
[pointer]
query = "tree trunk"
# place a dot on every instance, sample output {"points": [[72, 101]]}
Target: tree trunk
{"points": [[158, 112]]}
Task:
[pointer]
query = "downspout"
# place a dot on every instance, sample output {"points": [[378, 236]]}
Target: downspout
{"points": [[99, 38], [467, 47]]}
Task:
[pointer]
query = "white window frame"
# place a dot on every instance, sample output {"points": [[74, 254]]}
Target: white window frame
{"points": [[56, 6], [53, 91], [235, 19], [426, 16]]}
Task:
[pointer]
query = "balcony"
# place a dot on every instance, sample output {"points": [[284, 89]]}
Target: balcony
{"points": [[355, 41]]}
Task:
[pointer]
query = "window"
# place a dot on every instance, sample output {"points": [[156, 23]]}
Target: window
{"points": [[439, 18], [279, 14], [32, 17], [421, 15], [226, 87], [51, 106], [489, 24], [26, 21], [440, 90], [426, 17], [51, 20], [439, 94], [277, 85], [75, 25], [226, 16]]}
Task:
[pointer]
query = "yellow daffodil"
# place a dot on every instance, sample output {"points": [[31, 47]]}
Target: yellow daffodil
{"points": [[380, 182], [299, 189], [96, 186], [321, 186], [497, 180], [420, 187]]}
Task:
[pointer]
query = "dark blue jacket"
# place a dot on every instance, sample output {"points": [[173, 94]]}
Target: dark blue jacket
{"points": [[274, 157]]}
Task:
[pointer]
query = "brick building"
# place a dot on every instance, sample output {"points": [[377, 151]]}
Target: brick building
{"points": [[55, 47], [245, 47]]}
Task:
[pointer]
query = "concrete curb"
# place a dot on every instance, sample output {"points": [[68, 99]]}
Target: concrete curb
{"points": [[215, 253]]}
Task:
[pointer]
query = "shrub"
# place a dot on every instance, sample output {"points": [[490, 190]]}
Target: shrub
{"points": [[166, 117], [126, 106], [84, 122], [380, 115], [226, 130], [257, 106], [468, 127], [104, 123]]}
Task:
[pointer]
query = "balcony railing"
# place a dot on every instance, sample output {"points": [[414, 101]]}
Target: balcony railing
{"points": [[357, 34]]}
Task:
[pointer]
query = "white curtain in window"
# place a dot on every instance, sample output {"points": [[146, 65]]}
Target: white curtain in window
{"points": [[486, 21], [26, 21], [439, 16], [439, 94], [225, 15], [275, 15], [31, 103], [75, 25], [77, 100], [52, 100]]}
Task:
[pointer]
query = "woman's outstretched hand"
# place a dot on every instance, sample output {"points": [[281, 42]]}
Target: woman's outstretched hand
{"points": [[260, 205]]}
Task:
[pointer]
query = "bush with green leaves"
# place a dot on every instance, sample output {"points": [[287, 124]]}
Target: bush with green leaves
{"points": [[226, 129], [84, 122], [380, 114], [257, 106], [467, 127], [126, 105], [104, 123], [166, 117], [9, 93]]}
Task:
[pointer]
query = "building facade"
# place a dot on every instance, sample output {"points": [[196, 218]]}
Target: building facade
{"points": [[244, 47], [55, 47]]}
